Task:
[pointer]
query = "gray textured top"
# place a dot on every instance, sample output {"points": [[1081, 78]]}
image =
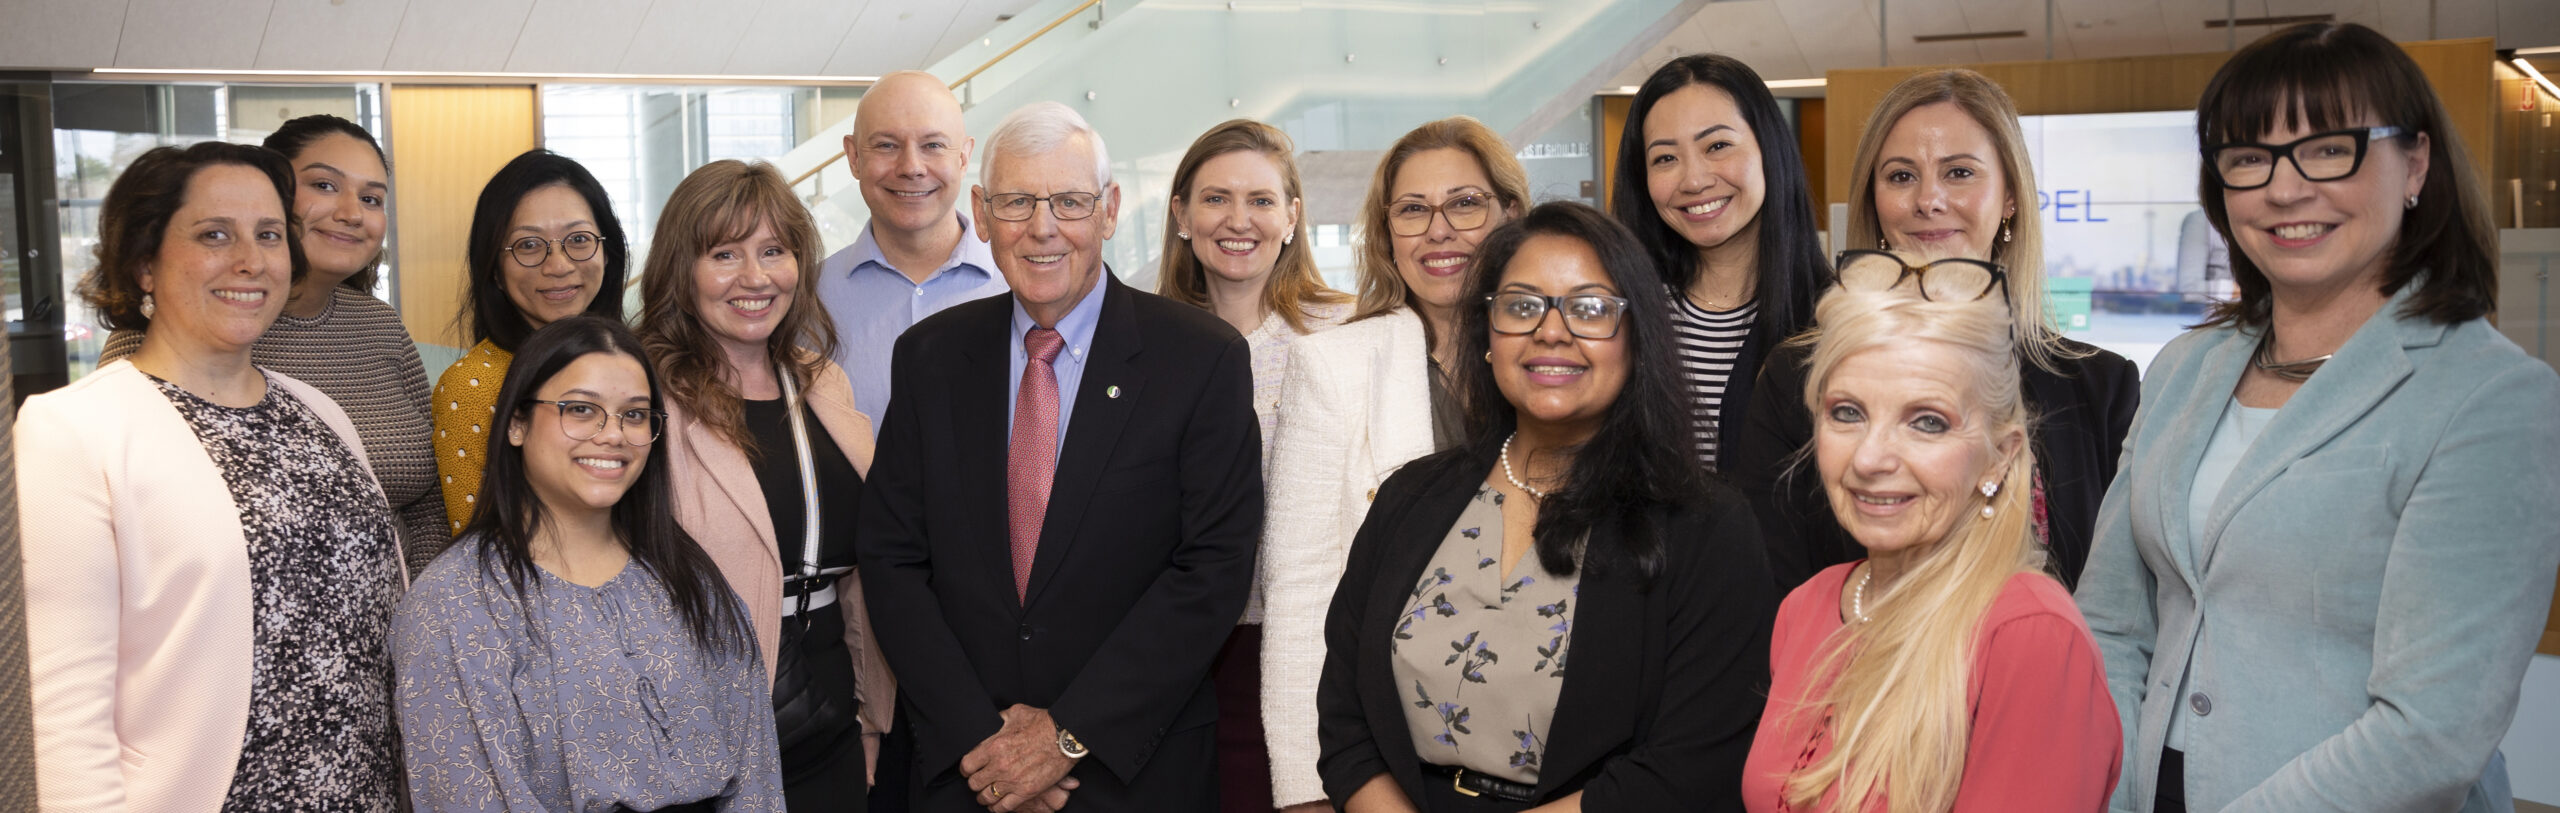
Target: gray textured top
{"points": [[357, 352], [600, 699]]}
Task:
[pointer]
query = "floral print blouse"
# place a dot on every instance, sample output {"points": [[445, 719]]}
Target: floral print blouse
{"points": [[599, 700], [1479, 658]]}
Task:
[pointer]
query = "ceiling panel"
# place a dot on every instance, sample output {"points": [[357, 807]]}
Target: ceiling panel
{"points": [[1905, 20], [689, 36], [456, 35], [2527, 23], [890, 36], [186, 33], [974, 19], [61, 33], [2009, 15], [792, 37], [2111, 28], [1833, 34], [573, 36], [1755, 33], [329, 34]]}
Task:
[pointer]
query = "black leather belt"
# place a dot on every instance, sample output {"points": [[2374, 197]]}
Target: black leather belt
{"points": [[1472, 783], [797, 586]]}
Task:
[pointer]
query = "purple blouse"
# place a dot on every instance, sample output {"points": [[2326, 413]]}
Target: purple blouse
{"points": [[603, 700]]}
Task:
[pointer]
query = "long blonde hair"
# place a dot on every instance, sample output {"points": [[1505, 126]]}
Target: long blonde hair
{"points": [[1382, 289], [1899, 710], [2023, 254], [1294, 286]]}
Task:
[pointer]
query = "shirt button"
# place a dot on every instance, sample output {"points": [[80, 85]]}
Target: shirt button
{"points": [[2202, 704], [1025, 631], [919, 291]]}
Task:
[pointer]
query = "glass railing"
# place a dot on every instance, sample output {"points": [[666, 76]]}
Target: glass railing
{"points": [[1343, 78]]}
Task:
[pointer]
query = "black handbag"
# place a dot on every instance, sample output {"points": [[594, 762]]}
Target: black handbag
{"points": [[812, 663]]}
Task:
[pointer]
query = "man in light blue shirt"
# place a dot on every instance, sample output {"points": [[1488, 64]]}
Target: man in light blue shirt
{"points": [[909, 151]]}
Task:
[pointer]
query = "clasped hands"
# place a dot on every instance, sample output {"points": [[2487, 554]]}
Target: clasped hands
{"points": [[1020, 769]]}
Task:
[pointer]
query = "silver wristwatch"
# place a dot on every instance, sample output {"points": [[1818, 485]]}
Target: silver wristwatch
{"points": [[1070, 746]]}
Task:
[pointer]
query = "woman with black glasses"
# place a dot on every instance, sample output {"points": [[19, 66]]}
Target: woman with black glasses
{"points": [[576, 650], [2319, 582], [544, 246], [1573, 525], [1942, 173]]}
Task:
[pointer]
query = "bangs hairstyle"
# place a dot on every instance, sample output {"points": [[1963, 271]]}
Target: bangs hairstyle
{"points": [[486, 310], [1382, 288], [721, 203], [135, 217], [1792, 267], [1987, 105], [1901, 707], [511, 514], [1638, 465], [296, 135], [2329, 76], [1294, 285]]}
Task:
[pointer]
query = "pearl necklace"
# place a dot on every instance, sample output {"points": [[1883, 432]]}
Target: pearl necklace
{"points": [[1858, 599], [1514, 478]]}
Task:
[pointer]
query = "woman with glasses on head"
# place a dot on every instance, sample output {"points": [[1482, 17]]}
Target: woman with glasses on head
{"points": [[545, 246], [1946, 671], [210, 568], [576, 650], [1573, 525], [1942, 173], [766, 455], [1237, 245], [2347, 472], [1360, 400], [335, 336], [1728, 219]]}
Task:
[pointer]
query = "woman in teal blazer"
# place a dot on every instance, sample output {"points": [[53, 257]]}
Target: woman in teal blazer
{"points": [[2319, 578]]}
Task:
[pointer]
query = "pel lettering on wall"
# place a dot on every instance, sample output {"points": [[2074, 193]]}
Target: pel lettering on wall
{"points": [[2070, 205]]}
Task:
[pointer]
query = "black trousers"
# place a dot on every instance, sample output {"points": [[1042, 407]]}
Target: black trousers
{"points": [[821, 762], [2171, 796]]}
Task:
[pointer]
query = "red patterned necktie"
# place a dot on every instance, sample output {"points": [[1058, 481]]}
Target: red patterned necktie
{"points": [[1032, 461]]}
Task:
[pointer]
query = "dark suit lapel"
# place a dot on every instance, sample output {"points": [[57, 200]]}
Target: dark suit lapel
{"points": [[981, 440], [1604, 674], [1109, 391], [2368, 367]]}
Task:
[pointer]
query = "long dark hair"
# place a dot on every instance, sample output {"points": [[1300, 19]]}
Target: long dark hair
{"points": [[492, 316], [1793, 270], [1639, 464], [296, 135], [2319, 76], [510, 513], [136, 217]]}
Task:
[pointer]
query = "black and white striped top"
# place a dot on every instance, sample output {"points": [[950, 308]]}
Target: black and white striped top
{"points": [[1710, 342]]}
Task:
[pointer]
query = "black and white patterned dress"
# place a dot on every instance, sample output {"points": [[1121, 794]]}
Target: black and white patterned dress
{"points": [[1710, 342], [324, 576]]}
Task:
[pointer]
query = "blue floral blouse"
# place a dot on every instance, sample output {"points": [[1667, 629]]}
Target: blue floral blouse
{"points": [[1480, 659], [602, 700]]}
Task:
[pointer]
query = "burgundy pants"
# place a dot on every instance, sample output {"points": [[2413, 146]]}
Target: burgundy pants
{"points": [[1244, 761]]}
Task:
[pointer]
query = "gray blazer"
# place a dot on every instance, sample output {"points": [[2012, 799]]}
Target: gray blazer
{"points": [[2372, 579]]}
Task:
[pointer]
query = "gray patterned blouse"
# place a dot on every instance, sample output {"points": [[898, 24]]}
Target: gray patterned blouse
{"points": [[1480, 660], [602, 700]]}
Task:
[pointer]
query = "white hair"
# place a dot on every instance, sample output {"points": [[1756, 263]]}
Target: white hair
{"points": [[1038, 128]]}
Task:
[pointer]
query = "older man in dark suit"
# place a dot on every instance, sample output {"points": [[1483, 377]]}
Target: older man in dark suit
{"points": [[1056, 641]]}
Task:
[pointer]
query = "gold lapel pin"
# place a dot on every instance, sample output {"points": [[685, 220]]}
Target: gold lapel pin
{"points": [[1112, 391]]}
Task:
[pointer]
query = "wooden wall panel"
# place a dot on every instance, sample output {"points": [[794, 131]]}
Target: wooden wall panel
{"points": [[1613, 125], [2459, 70], [445, 141]]}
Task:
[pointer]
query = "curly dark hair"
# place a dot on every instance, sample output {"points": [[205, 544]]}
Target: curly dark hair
{"points": [[135, 217]]}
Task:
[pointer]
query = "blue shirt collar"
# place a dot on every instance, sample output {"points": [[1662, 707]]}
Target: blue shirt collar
{"points": [[972, 257], [1077, 326]]}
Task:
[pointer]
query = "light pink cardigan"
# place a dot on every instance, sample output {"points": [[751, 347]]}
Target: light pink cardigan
{"points": [[138, 605], [720, 503]]}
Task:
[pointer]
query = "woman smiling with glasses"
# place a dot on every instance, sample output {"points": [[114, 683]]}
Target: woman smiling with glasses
{"points": [[2319, 582], [1574, 524], [545, 246], [1940, 174]]}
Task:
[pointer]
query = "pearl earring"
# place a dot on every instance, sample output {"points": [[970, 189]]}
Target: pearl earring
{"points": [[1286, 239], [1183, 234], [2005, 236], [1989, 490], [2412, 203], [1488, 357], [148, 307], [1986, 512]]}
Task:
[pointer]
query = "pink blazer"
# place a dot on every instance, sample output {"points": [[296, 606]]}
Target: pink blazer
{"points": [[138, 605], [719, 501]]}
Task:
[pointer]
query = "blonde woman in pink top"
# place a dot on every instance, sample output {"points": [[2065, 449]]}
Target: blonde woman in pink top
{"points": [[1946, 671]]}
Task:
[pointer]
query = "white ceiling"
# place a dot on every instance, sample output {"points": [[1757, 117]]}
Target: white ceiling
{"points": [[767, 37], [1796, 39]]}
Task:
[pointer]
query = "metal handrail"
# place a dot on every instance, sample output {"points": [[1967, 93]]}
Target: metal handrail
{"points": [[973, 74]]}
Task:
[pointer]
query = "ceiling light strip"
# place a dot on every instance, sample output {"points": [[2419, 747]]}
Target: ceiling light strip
{"points": [[2538, 78]]}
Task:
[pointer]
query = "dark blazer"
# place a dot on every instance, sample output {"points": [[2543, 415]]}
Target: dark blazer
{"points": [[1145, 556], [1668, 678], [2079, 421], [1738, 387]]}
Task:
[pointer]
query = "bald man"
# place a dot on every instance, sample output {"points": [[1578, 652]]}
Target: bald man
{"points": [[909, 152]]}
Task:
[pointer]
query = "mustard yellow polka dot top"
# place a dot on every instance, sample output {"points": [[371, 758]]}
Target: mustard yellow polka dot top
{"points": [[465, 409]]}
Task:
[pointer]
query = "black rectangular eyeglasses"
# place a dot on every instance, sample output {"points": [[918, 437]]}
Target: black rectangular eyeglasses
{"points": [[2326, 156]]}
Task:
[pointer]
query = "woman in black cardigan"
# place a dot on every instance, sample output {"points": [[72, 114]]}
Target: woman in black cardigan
{"points": [[1444, 683], [1942, 172]]}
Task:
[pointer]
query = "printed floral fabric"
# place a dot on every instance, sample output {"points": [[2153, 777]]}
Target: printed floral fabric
{"points": [[324, 573], [578, 700], [1480, 658]]}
